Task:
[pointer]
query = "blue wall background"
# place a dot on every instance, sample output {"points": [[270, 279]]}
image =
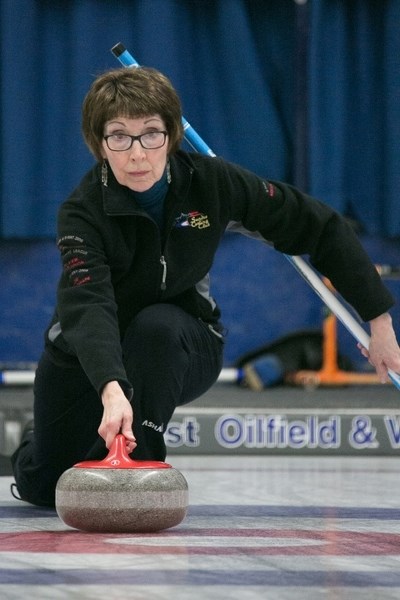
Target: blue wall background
{"points": [[307, 93], [261, 295]]}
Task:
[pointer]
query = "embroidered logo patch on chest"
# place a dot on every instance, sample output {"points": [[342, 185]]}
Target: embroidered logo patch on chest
{"points": [[192, 219]]}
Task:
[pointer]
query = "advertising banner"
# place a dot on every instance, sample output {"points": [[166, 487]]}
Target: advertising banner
{"points": [[291, 432]]}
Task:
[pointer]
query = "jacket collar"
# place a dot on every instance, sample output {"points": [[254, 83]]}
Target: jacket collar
{"points": [[117, 199]]}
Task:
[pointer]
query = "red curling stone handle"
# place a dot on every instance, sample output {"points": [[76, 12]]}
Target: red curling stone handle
{"points": [[118, 458]]}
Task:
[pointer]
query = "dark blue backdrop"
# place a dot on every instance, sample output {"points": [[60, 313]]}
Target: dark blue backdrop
{"points": [[306, 93]]}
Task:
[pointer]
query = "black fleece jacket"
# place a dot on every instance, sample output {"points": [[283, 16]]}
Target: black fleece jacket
{"points": [[115, 261]]}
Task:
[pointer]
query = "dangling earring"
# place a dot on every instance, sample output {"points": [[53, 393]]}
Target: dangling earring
{"points": [[168, 173], [104, 174]]}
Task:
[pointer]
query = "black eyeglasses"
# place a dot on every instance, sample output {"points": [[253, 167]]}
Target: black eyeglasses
{"points": [[118, 142]]}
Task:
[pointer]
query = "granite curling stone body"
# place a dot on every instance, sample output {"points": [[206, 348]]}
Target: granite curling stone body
{"points": [[121, 495]]}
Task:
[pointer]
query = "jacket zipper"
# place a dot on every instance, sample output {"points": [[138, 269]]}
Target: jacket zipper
{"points": [[164, 274]]}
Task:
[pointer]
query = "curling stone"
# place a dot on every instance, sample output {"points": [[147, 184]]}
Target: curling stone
{"points": [[121, 495]]}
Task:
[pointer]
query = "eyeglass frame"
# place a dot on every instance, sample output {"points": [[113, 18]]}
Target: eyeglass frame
{"points": [[138, 138]]}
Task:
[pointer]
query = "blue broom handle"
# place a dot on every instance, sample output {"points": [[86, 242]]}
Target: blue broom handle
{"points": [[191, 136]]}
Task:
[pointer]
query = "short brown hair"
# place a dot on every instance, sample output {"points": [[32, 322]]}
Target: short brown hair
{"points": [[130, 92]]}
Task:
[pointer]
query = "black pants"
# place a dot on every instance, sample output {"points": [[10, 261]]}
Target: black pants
{"points": [[170, 357]]}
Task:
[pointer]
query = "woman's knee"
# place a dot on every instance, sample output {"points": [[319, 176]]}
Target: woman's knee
{"points": [[156, 327]]}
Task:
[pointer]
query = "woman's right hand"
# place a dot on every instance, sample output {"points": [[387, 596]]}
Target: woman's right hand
{"points": [[117, 416]]}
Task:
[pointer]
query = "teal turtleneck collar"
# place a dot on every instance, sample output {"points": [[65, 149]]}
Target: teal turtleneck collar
{"points": [[152, 200]]}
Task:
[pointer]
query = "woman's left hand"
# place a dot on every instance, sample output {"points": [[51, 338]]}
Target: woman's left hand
{"points": [[384, 351]]}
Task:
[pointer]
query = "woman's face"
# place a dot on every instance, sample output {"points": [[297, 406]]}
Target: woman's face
{"points": [[137, 168]]}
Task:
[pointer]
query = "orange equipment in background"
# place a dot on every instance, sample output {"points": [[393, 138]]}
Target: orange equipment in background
{"points": [[330, 374]]}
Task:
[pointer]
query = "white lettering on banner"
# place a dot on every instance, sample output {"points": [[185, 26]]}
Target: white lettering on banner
{"points": [[275, 431], [183, 434], [280, 432], [393, 430]]}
